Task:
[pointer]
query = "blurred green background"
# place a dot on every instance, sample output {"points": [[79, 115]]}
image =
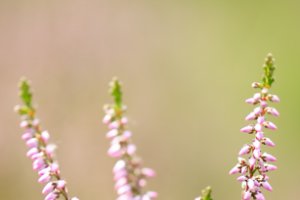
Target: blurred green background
{"points": [[187, 67]]}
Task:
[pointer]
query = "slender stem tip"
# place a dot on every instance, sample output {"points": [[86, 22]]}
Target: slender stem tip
{"points": [[25, 91], [206, 194], [269, 68], [116, 91]]}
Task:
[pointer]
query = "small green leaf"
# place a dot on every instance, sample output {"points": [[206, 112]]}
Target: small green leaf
{"points": [[206, 194], [25, 92], [116, 92], [269, 68]]}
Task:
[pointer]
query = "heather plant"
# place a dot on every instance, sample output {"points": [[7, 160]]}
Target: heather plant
{"points": [[40, 151], [129, 174], [255, 167]]}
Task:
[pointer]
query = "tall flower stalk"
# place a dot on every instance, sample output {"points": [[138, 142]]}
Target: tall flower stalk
{"points": [[255, 166], [129, 175], [40, 151]]}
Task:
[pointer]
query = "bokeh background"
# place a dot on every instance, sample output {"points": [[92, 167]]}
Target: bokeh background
{"points": [[187, 67]]}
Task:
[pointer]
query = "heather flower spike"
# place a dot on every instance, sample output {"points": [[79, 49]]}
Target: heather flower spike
{"points": [[129, 175], [254, 169], [206, 194], [40, 151]]}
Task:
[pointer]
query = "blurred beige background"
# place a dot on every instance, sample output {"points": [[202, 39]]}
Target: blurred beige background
{"points": [[187, 67]]}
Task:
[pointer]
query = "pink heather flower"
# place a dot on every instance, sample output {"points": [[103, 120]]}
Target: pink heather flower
{"points": [[260, 196], [268, 142], [245, 150], [236, 169], [250, 116], [270, 125], [129, 175], [267, 186], [274, 98], [247, 195], [254, 171], [268, 157], [247, 129]]}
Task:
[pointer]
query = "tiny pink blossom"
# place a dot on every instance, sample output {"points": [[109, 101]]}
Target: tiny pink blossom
{"points": [[124, 189], [114, 125], [48, 188], [31, 152], [37, 155], [259, 135], [251, 101], [33, 142], [120, 182], [270, 125], [112, 133], [54, 167], [38, 164], [131, 149], [247, 195], [263, 104], [51, 196], [115, 150], [252, 162], [24, 124], [250, 116], [259, 196], [258, 127], [241, 178], [256, 144], [44, 178], [269, 142], [120, 164], [152, 194], [26, 136], [50, 148], [127, 134], [250, 184], [274, 98], [247, 129], [60, 184], [273, 112], [44, 171], [235, 170], [148, 172], [124, 120], [267, 186], [244, 150], [45, 136], [257, 110], [269, 157], [260, 119], [244, 170], [270, 167], [106, 119], [256, 153]]}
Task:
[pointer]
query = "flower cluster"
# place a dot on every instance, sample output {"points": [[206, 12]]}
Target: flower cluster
{"points": [[129, 175], [254, 169], [40, 151]]}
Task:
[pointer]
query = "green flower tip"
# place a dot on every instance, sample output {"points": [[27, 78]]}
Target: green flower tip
{"points": [[25, 91], [206, 194], [116, 91], [269, 68]]}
